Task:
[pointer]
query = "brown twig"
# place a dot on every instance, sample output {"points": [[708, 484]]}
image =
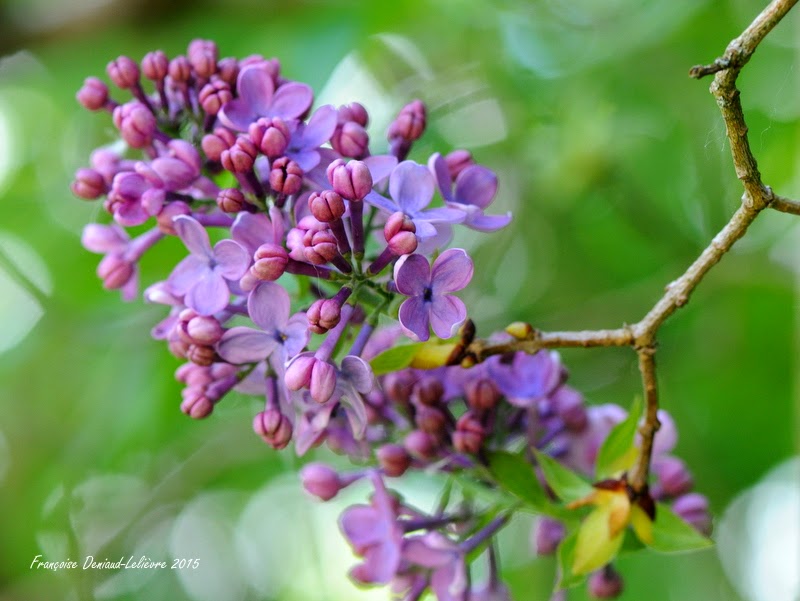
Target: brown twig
{"points": [[757, 197]]}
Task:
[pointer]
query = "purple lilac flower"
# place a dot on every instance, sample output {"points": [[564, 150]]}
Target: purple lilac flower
{"points": [[201, 276], [268, 306], [257, 97], [528, 378], [474, 190], [429, 304], [308, 137], [445, 560]]}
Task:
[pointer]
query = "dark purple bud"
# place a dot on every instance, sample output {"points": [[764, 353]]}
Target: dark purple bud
{"points": [[350, 140], [547, 535], [180, 69], [398, 386], [393, 459], [430, 419], [240, 157], [231, 200], [204, 329], [270, 135], [673, 477], [482, 394], [270, 262], [353, 112], [320, 246], [323, 314], [88, 184], [168, 213], [457, 161], [352, 180], [321, 481], [136, 124], [420, 445], [286, 177], [400, 235], [155, 65], [605, 583], [178, 347], [124, 72], [410, 122], [298, 372], [203, 57], [228, 70], [326, 206], [115, 271], [200, 354], [215, 143], [469, 434], [570, 408], [427, 391], [214, 95], [274, 427], [693, 508], [93, 95], [195, 403]]}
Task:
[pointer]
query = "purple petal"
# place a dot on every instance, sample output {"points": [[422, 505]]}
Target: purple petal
{"points": [[380, 563], [355, 409], [438, 167], [414, 317], [447, 313], [476, 185], [209, 295], [411, 186], [231, 258], [380, 166], [237, 115], [427, 552], [449, 582], [451, 271], [174, 173], [487, 223], [377, 200], [194, 235], [296, 333], [255, 89], [361, 525], [320, 127], [104, 238], [305, 159], [245, 345], [251, 230], [359, 373], [412, 275], [309, 433], [442, 215], [667, 436], [291, 100], [162, 329], [186, 273], [131, 288], [425, 230], [277, 223], [161, 293], [441, 236], [130, 214], [268, 305]]}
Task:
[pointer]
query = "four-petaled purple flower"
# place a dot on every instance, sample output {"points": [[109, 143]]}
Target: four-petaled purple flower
{"points": [[306, 139], [429, 304], [445, 560], [201, 276], [257, 97], [269, 306]]}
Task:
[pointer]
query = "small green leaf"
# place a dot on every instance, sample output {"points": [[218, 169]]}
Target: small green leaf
{"points": [[672, 535], [566, 557], [595, 547], [568, 485], [395, 359], [618, 452]]}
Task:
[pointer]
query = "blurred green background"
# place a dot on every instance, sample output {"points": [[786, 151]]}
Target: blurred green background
{"points": [[616, 167]]}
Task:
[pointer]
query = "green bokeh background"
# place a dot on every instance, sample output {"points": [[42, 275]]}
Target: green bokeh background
{"points": [[613, 161]]}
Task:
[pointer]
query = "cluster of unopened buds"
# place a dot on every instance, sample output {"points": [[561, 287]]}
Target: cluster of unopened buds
{"points": [[301, 242]]}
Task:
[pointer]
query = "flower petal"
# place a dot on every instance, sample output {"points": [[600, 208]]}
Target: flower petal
{"points": [[441, 173], [237, 115], [414, 317], [361, 525], [231, 258], [411, 186], [296, 333], [305, 159], [291, 100], [476, 185], [268, 305], [209, 295], [359, 373], [380, 166], [412, 275], [193, 235], [130, 214], [354, 408], [377, 200], [442, 215], [447, 313], [245, 345], [255, 89], [486, 223], [104, 238], [251, 230], [451, 271], [320, 127], [186, 273]]}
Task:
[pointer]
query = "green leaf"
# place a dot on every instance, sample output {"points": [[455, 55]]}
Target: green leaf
{"points": [[595, 546], [566, 557], [568, 485], [618, 452], [395, 359], [672, 535]]}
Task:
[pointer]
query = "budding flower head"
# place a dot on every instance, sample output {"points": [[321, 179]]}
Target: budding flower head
{"points": [[410, 122], [321, 481], [136, 124], [326, 206], [393, 459]]}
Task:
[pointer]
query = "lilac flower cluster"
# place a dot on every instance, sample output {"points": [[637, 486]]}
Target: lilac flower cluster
{"points": [[299, 242]]}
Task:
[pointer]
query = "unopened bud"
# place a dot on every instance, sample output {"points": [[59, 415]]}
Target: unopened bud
{"points": [[321, 481], [323, 314], [352, 180], [394, 460], [469, 434], [93, 95], [124, 72], [270, 262], [326, 206], [214, 95], [285, 176]]}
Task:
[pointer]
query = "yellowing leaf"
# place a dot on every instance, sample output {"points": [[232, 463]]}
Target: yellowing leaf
{"points": [[432, 355], [595, 546], [642, 525]]}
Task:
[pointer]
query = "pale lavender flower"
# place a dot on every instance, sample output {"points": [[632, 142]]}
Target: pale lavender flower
{"points": [[444, 558], [528, 378], [257, 97], [430, 303], [306, 139], [201, 276], [113, 242], [251, 230]]}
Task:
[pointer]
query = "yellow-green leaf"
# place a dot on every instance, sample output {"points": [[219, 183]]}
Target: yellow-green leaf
{"points": [[595, 547]]}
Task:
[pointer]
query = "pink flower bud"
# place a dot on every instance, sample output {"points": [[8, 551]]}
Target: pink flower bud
{"points": [[270, 262], [394, 460], [693, 508], [240, 157], [180, 69], [214, 95], [570, 408], [298, 372], [215, 143], [88, 184], [353, 112], [230, 200], [352, 180], [200, 354], [457, 161], [410, 122], [427, 391], [193, 375], [398, 386], [136, 124], [400, 235], [481, 394], [203, 57], [274, 427], [350, 140], [93, 95], [168, 213], [605, 584], [195, 403], [326, 206], [320, 246], [323, 381], [286, 177], [323, 314], [228, 70], [321, 481], [673, 477], [155, 65], [430, 419], [420, 445], [115, 271], [270, 135], [204, 329], [469, 434], [124, 72]]}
